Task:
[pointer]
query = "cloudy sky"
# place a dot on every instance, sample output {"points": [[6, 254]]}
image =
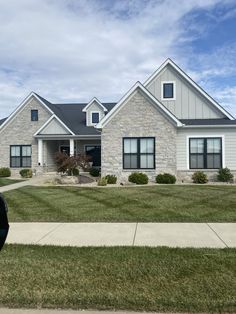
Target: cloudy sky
{"points": [[72, 50]]}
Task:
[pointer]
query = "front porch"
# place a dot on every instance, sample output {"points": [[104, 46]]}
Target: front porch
{"points": [[47, 148]]}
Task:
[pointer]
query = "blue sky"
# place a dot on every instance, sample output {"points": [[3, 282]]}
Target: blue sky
{"points": [[71, 51]]}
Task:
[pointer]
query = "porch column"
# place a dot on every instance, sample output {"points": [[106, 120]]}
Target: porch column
{"points": [[40, 152], [72, 147]]}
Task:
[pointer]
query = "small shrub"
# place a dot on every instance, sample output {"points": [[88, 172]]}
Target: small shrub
{"points": [[26, 173], [165, 178], [138, 178], [94, 172], [199, 177], [102, 181], [224, 175], [5, 172], [111, 179], [73, 172]]}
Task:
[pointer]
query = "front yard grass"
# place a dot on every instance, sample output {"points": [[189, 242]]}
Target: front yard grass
{"points": [[6, 181], [120, 278], [186, 203]]}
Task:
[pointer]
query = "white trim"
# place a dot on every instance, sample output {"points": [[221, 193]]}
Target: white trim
{"points": [[162, 90], [90, 103], [125, 98], [222, 136], [72, 147], [48, 121], [91, 117], [21, 106], [210, 126], [191, 82], [40, 152]]}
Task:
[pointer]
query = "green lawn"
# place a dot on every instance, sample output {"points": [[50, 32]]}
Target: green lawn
{"points": [[150, 279], [186, 203], [6, 181]]}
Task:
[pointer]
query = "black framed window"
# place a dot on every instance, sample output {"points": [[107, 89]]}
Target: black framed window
{"points": [[34, 115], [205, 153], [20, 156], [139, 153], [95, 117], [168, 90]]}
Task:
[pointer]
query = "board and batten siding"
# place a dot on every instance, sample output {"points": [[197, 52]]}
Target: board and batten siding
{"points": [[189, 103], [54, 127], [94, 107], [228, 145]]}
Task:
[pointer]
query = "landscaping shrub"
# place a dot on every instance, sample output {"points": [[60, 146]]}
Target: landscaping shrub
{"points": [[94, 172], [5, 172], [165, 178], [102, 181], [199, 177], [224, 175], [138, 178], [111, 179], [26, 173], [73, 172]]}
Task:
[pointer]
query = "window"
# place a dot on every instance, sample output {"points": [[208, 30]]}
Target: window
{"points": [[20, 156], [168, 90], [139, 153], [34, 115], [95, 117], [205, 153]]}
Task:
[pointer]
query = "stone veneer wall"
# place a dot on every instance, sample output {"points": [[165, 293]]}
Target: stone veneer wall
{"points": [[20, 131], [138, 118]]}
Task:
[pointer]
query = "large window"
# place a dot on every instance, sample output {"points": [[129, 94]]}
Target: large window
{"points": [[205, 153], [20, 156], [139, 153]]}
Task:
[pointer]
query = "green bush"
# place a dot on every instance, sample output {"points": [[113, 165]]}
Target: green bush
{"points": [[94, 172], [199, 177], [26, 173], [5, 172], [111, 179], [165, 178], [102, 181], [224, 175], [138, 178], [73, 172]]}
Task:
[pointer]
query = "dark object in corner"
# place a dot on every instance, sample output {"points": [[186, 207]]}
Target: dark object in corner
{"points": [[4, 226]]}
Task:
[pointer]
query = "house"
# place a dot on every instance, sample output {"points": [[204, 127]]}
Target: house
{"points": [[167, 124]]}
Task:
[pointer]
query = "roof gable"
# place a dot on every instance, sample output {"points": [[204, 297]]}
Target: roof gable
{"points": [[126, 97], [91, 102], [22, 105], [54, 126], [169, 62]]}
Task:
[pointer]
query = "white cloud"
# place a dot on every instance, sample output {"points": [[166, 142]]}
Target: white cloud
{"points": [[68, 50]]}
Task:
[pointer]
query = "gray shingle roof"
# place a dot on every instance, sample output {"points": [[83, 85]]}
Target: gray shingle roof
{"points": [[73, 116], [2, 121], [225, 121]]}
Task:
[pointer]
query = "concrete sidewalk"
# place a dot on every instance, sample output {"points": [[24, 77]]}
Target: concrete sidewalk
{"points": [[36, 180], [211, 235], [42, 311]]}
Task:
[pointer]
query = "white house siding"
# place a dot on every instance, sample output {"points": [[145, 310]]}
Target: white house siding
{"points": [[94, 107], [228, 142], [20, 131], [189, 103], [138, 118]]}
